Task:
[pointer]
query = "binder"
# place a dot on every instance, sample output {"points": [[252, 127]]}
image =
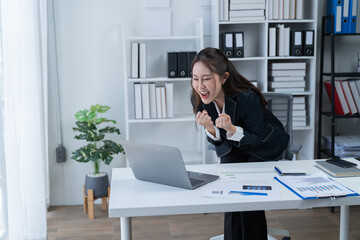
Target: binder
{"points": [[190, 58], [338, 105], [182, 66], [135, 60], [138, 101], [142, 60], [145, 100], [296, 43], [345, 17], [172, 65], [272, 42], [238, 44], [334, 7], [352, 15], [227, 44], [309, 43]]}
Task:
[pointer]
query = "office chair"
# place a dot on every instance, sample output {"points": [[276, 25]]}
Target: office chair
{"points": [[281, 105]]}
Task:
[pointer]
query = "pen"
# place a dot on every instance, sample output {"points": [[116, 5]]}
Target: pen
{"points": [[248, 193], [278, 171]]}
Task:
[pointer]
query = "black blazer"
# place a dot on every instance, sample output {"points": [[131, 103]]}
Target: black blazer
{"points": [[264, 135]]}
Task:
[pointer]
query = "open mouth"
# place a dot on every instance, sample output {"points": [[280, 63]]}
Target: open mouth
{"points": [[204, 94]]}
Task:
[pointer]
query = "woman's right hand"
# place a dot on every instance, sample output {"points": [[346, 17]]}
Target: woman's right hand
{"points": [[204, 120]]}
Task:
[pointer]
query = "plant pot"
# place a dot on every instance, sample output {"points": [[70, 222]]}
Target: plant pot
{"points": [[97, 182]]}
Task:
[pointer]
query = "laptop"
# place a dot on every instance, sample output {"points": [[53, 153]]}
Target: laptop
{"points": [[163, 165]]}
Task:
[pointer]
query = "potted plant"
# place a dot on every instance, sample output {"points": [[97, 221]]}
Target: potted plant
{"points": [[98, 149]]}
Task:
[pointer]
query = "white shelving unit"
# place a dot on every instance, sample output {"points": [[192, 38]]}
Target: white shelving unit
{"points": [[179, 131], [255, 64]]}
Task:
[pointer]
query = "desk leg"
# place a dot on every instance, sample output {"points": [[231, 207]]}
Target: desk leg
{"points": [[125, 228], [344, 222]]}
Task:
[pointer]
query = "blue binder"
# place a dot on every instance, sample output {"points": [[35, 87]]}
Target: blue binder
{"points": [[352, 15], [345, 16], [335, 7]]}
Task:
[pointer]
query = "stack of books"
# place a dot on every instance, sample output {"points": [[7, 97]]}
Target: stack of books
{"points": [[279, 109], [241, 10], [286, 9], [347, 96], [287, 77], [153, 101]]}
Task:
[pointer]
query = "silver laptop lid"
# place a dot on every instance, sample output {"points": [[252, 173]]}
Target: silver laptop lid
{"points": [[157, 163]]}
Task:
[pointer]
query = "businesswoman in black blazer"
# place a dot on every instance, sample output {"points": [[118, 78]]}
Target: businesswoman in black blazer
{"points": [[233, 112]]}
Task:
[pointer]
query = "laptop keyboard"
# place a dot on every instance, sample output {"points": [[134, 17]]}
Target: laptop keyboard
{"points": [[195, 181]]}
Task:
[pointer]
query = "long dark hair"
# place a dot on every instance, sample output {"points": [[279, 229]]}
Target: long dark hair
{"points": [[218, 63]]}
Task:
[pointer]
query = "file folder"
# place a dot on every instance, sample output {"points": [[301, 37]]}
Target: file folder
{"points": [[345, 17], [296, 43], [238, 44], [190, 58], [182, 64], [227, 44], [309, 43], [172, 64], [334, 7], [352, 15]]}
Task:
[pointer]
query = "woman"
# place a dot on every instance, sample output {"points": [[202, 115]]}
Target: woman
{"points": [[236, 121]]}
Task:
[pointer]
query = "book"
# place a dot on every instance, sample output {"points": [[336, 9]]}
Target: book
{"points": [[134, 60], [280, 37], [163, 102], [287, 78], [142, 60], [290, 170], [145, 100], [337, 171], [299, 89], [152, 97], [298, 106], [349, 97], [247, 13], [298, 99], [279, 73], [249, 18], [272, 42], [169, 99], [158, 102], [355, 93], [289, 84], [138, 101], [341, 107], [288, 66], [246, 6]]}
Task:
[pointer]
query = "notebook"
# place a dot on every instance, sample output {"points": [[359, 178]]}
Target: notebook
{"points": [[336, 171], [163, 165]]}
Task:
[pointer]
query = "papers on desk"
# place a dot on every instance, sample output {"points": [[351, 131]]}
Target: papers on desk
{"points": [[243, 190], [315, 186], [244, 174], [345, 146]]}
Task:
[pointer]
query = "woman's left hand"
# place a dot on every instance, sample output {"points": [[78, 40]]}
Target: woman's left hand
{"points": [[224, 122]]}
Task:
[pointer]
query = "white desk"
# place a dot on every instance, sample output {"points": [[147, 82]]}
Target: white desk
{"points": [[133, 198]]}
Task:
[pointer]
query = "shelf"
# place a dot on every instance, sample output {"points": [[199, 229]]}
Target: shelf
{"points": [[247, 59], [292, 21], [291, 58], [343, 74], [342, 34], [165, 38], [159, 79], [242, 22], [341, 116], [176, 118]]}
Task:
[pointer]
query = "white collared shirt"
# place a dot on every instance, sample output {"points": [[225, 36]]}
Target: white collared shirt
{"points": [[237, 136]]}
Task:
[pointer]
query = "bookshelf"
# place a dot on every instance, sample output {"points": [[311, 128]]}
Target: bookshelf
{"points": [[332, 75], [179, 130], [256, 63]]}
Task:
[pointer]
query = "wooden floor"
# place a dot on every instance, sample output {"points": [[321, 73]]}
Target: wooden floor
{"points": [[69, 222]]}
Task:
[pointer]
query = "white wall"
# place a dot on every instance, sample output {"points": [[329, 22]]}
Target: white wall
{"points": [[90, 72]]}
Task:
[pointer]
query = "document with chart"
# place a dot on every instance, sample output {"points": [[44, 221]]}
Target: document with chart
{"points": [[315, 186]]}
